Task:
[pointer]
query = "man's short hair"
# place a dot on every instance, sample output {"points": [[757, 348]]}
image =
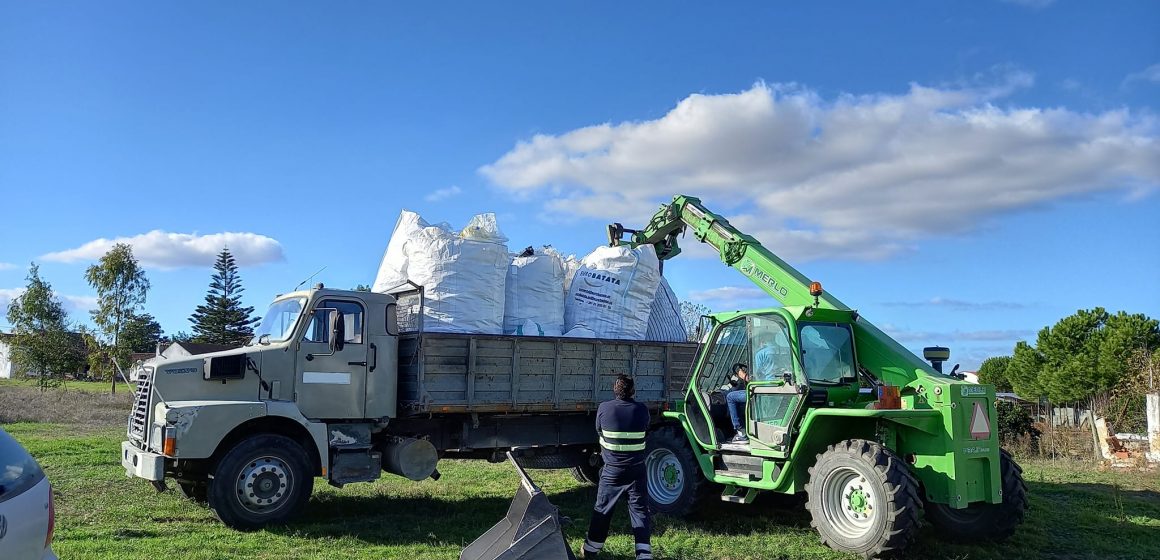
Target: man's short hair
{"points": [[623, 387], [740, 366]]}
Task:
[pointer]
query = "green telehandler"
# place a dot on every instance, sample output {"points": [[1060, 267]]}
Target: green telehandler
{"points": [[835, 408]]}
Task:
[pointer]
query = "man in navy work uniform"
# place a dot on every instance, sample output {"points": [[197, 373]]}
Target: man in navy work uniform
{"points": [[621, 424]]}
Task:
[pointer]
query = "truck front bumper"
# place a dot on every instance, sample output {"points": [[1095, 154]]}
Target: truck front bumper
{"points": [[142, 464]]}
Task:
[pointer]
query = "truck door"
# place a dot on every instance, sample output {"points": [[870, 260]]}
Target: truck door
{"points": [[332, 384]]}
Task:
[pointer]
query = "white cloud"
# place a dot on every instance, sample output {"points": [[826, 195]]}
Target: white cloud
{"points": [[959, 304], [1150, 74], [72, 304], [729, 298], [7, 266], [859, 176], [935, 337], [174, 250], [443, 194]]}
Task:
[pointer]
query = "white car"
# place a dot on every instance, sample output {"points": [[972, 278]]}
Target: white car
{"points": [[26, 508]]}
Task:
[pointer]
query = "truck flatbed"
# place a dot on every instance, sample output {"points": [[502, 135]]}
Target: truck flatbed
{"points": [[446, 373]]}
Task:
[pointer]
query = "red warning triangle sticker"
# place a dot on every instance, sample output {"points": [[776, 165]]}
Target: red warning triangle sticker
{"points": [[980, 425]]}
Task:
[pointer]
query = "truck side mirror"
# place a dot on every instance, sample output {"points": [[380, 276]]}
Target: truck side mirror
{"points": [[337, 331]]}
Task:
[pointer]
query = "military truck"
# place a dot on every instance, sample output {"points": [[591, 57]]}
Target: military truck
{"points": [[347, 385]]}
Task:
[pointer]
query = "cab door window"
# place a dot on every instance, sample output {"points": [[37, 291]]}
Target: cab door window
{"points": [[731, 347], [319, 329], [772, 351]]}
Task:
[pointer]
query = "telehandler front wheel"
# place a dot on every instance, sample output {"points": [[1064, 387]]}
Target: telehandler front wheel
{"points": [[862, 499], [264, 480], [985, 521], [675, 484]]}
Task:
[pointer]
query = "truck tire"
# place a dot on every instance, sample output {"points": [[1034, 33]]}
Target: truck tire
{"points": [[263, 480], [675, 484], [589, 472], [194, 491], [978, 521], [863, 499]]}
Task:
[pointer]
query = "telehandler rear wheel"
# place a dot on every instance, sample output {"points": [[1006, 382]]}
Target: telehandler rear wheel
{"points": [[863, 499], [985, 521], [265, 479]]}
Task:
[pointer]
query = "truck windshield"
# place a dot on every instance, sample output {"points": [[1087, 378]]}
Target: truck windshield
{"points": [[280, 319]]}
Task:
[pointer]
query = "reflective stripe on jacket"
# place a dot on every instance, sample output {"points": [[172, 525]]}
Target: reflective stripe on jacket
{"points": [[621, 425]]}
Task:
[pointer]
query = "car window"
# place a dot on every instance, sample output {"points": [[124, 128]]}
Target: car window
{"points": [[18, 470]]}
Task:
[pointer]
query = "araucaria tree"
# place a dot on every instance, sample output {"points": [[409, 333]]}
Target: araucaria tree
{"points": [[222, 319], [121, 287], [41, 342]]}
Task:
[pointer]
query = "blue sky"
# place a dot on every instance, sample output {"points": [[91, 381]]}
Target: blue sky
{"points": [[962, 172]]}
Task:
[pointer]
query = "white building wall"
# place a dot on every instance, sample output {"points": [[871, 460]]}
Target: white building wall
{"points": [[5, 363]]}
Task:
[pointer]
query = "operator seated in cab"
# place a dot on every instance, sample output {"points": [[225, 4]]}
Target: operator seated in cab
{"points": [[735, 401]]}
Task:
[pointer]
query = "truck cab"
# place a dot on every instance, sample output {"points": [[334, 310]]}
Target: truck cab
{"points": [[300, 400]]}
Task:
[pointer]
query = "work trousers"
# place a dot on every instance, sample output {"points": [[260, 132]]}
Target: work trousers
{"points": [[614, 482]]}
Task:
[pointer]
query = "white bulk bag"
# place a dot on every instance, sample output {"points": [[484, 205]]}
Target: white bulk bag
{"points": [[571, 265], [462, 274], [664, 321], [612, 293], [534, 304], [393, 269]]}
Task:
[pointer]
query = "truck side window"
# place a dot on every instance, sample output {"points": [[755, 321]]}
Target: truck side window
{"points": [[352, 315], [731, 347]]}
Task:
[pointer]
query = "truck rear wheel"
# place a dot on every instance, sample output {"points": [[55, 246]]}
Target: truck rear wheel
{"points": [[263, 480], [985, 521], [862, 499], [589, 471], [675, 484]]}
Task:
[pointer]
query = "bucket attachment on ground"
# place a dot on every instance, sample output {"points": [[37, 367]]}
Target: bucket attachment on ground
{"points": [[531, 530]]}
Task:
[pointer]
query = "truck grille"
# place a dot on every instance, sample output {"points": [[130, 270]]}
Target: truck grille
{"points": [[139, 416]]}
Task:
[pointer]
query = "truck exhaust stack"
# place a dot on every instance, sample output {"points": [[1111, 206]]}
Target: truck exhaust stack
{"points": [[531, 530]]}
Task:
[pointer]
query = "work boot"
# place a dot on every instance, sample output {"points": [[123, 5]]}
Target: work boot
{"points": [[739, 437]]}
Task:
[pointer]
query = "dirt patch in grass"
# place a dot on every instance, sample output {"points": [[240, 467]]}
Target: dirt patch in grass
{"points": [[63, 406]]}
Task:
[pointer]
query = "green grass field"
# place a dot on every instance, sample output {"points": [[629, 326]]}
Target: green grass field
{"points": [[67, 385], [1076, 513]]}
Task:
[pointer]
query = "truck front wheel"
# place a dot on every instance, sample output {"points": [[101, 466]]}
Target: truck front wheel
{"points": [[985, 521], [263, 480], [862, 499], [675, 484]]}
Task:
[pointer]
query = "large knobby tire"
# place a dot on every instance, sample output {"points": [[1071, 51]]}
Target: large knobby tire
{"points": [[863, 499], [263, 480], [979, 521], [675, 484]]}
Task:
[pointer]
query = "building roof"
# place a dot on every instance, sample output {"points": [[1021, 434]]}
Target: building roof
{"points": [[195, 348]]}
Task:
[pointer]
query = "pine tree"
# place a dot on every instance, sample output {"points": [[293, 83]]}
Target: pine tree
{"points": [[223, 320]]}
